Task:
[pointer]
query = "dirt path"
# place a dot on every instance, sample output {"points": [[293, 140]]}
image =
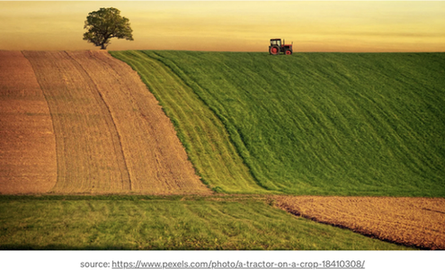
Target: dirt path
{"points": [[27, 144], [111, 134], [416, 222]]}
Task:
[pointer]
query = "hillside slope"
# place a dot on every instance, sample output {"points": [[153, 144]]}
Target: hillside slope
{"points": [[203, 134], [322, 123], [111, 136]]}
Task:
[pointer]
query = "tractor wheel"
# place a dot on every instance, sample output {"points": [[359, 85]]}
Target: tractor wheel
{"points": [[288, 52], [274, 50]]}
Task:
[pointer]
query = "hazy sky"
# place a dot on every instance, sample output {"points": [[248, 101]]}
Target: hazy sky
{"points": [[232, 26]]}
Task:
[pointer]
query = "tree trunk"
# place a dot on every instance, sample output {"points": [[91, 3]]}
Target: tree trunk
{"points": [[103, 47]]}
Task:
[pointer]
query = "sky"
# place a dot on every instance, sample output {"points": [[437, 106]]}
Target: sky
{"points": [[312, 26]]}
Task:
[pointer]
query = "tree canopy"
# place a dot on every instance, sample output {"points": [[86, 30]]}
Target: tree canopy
{"points": [[104, 24]]}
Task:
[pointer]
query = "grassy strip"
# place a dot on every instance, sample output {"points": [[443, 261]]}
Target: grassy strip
{"points": [[326, 123], [165, 223]]}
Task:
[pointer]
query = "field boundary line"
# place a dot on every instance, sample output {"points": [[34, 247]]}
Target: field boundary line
{"points": [[162, 102]]}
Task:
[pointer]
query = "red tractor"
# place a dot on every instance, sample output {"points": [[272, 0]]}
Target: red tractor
{"points": [[276, 47]]}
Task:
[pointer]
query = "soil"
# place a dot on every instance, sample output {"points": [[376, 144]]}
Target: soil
{"points": [[27, 145], [155, 158], [418, 222], [86, 122]]}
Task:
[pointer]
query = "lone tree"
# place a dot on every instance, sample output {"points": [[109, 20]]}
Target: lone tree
{"points": [[104, 24]]}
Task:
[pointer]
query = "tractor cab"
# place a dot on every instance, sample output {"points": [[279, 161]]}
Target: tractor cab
{"points": [[275, 42], [276, 47]]}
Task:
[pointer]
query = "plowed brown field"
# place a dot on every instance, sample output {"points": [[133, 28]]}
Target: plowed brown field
{"points": [[27, 144], [111, 136], [154, 156], [416, 222]]}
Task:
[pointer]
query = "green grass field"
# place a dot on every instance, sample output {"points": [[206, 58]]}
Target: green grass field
{"points": [[311, 123], [126, 222]]}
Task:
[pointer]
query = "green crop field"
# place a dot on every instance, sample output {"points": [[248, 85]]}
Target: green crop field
{"points": [[311, 123], [142, 222]]}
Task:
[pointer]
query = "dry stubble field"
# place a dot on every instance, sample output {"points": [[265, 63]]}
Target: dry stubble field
{"points": [[418, 222], [110, 135], [27, 145]]}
